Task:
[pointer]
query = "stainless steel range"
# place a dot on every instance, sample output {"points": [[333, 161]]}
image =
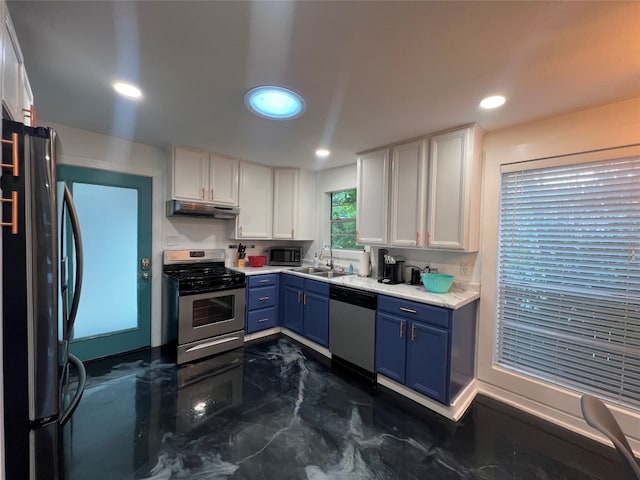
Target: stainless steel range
{"points": [[203, 303]]}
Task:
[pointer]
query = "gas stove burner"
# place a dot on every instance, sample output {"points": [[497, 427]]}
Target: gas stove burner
{"points": [[201, 271]]}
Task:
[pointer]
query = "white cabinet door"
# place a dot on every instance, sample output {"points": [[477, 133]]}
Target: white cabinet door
{"points": [[408, 194], [454, 194], [373, 198], [190, 174], [223, 180], [293, 212], [28, 112], [285, 189], [11, 69], [255, 201], [306, 216]]}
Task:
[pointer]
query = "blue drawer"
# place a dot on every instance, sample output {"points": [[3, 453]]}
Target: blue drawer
{"points": [[262, 280], [262, 297], [414, 310], [262, 319]]}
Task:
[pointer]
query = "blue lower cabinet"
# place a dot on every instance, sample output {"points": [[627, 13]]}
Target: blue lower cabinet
{"points": [[262, 302], [305, 308], [316, 312], [426, 348], [428, 360], [390, 346], [292, 306]]}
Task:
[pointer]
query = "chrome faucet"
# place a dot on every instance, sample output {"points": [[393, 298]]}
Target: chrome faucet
{"points": [[330, 264]]}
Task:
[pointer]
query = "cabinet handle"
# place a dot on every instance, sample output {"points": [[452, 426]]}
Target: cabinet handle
{"points": [[240, 229], [14, 213], [413, 331], [304, 302], [14, 154], [202, 193], [428, 239], [212, 197], [30, 113], [262, 299], [263, 320], [293, 235], [263, 281], [401, 328], [417, 239], [408, 310], [299, 295]]}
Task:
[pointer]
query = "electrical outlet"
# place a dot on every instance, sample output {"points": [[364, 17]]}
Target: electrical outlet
{"points": [[464, 269]]}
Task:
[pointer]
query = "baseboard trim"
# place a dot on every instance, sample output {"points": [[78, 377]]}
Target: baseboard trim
{"points": [[454, 412]]}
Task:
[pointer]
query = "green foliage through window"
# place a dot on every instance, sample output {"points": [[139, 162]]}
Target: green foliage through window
{"points": [[343, 220]]}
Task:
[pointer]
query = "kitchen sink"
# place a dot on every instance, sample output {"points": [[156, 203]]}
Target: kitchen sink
{"points": [[311, 270], [331, 274]]}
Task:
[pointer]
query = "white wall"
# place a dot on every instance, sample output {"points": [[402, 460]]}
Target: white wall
{"points": [[603, 127]]}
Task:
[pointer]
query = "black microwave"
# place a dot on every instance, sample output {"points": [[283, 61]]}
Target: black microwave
{"points": [[287, 256]]}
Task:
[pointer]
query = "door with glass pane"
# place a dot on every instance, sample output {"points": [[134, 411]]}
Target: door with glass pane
{"points": [[114, 210]]}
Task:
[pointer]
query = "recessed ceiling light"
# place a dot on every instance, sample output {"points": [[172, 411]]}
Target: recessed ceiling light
{"points": [[494, 101], [322, 153], [274, 102], [127, 90]]}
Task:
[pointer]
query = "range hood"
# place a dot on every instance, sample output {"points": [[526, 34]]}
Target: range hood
{"points": [[181, 208]]}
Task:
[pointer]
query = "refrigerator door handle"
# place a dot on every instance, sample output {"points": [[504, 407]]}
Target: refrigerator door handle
{"points": [[77, 241], [82, 380]]}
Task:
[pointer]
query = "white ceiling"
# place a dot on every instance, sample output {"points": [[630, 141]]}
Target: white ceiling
{"points": [[372, 73]]}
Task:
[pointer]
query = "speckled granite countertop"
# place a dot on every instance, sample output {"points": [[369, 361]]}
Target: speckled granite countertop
{"points": [[458, 296]]}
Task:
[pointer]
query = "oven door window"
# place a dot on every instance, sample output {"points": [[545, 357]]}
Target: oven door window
{"points": [[210, 311]]}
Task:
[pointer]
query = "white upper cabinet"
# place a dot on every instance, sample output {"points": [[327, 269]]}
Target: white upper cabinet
{"points": [[11, 69], [197, 175], [255, 201], [408, 194], [373, 198], [292, 204], [223, 180], [455, 168], [28, 110], [426, 196]]}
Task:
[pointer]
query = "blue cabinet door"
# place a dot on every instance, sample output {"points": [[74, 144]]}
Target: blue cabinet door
{"points": [[292, 308], [391, 333], [427, 360], [316, 318]]}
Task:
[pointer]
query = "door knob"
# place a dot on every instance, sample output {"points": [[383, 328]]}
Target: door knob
{"points": [[145, 263], [145, 276]]}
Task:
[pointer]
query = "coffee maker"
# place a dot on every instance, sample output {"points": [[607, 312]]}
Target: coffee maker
{"points": [[392, 268]]}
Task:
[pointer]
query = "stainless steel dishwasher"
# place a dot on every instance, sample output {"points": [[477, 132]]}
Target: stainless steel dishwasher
{"points": [[352, 326]]}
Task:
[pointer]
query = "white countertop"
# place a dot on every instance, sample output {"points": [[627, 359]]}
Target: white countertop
{"points": [[457, 297]]}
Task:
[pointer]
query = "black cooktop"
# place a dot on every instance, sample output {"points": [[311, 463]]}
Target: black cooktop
{"points": [[204, 277]]}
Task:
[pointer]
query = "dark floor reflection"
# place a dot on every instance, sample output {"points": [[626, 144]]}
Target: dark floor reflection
{"points": [[270, 411]]}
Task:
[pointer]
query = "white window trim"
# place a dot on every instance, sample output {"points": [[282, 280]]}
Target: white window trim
{"points": [[544, 399]]}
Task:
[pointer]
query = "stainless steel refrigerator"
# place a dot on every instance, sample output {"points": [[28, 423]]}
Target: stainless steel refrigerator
{"points": [[41, 285]]}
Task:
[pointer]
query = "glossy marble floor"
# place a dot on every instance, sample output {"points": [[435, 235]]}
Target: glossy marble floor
{"points": [[274, 411]]}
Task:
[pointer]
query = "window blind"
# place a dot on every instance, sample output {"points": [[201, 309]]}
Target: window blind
{"points": [[569, 276]]}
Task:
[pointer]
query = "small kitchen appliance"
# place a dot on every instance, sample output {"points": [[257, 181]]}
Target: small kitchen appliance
{"points": [[392, 270], [415, 276], [203, 303], [285, 256]]}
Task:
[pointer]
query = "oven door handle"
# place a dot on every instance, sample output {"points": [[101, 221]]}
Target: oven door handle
{"points": [[213, 343]]}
